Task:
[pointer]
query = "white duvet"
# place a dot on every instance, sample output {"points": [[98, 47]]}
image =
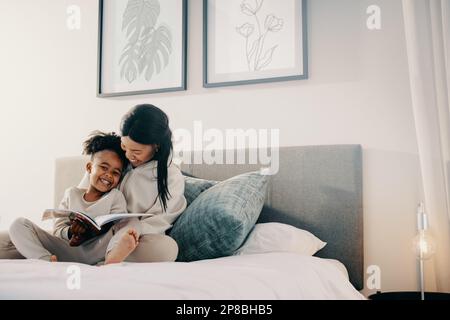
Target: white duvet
{"points": [[258, 276]]}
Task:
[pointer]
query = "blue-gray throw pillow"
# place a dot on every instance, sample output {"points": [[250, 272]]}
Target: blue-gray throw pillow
{"points": [[218, 221], [194, 186]]}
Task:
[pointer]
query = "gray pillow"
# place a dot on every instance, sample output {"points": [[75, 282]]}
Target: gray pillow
{"points": [[194, 186], [218, 221]]}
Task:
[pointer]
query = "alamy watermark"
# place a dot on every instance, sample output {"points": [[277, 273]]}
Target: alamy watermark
{"points": [[229, 146], [374, 19], [73, 21], [374, 279], [73, 281]]}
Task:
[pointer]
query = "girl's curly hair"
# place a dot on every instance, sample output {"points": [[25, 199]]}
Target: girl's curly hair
{"points": [[99, 141]]}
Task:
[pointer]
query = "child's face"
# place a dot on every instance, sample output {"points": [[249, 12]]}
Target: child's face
{"points": [[105, 170], [137, 153]]}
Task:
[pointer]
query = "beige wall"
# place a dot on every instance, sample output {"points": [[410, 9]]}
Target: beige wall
{"points": [[358, 92]]}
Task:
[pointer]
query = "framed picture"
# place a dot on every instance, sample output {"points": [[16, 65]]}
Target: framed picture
{"points": [[141, 47], [254, 41]]}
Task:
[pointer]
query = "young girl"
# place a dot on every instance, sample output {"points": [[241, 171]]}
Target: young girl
{"points": [[152, 184], [99, 198]]}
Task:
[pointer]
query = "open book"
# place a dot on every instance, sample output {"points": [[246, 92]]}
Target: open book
{"points": [[95, 223]]}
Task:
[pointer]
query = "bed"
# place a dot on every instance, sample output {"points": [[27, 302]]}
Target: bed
{"points": [[317, 188]]}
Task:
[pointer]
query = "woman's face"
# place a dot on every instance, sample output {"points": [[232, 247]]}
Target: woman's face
{"points": [[137, 153]]}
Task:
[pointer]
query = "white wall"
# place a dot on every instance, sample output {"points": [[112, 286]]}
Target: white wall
{"points": [[358, 92]]}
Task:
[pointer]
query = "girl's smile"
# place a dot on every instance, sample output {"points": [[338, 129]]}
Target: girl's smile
{"points": [[106, 182]]}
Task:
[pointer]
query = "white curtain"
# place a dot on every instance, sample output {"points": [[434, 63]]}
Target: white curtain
{"points": [[427, 30]]}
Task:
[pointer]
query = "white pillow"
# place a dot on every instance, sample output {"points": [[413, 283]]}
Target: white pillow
{"points": [[280, 237]]}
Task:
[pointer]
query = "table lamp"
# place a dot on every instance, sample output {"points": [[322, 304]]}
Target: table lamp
{"points": [[423, 244]]}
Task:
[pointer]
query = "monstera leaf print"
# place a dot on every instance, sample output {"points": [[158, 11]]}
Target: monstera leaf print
{"points": [[149, 46], [156, 50], [129, 61], [138, 15]]}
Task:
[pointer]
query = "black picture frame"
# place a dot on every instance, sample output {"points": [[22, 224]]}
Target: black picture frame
{"points": [[208, 74], [179, 74]]}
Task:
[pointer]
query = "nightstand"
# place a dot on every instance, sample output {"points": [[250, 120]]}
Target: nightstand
{"points": [[409, 295]]}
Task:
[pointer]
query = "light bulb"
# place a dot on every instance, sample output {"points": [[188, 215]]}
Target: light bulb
{"points": [[424, 245]]}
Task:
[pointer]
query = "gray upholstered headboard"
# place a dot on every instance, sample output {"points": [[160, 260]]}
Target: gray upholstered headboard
{"points": [[317, 188]]}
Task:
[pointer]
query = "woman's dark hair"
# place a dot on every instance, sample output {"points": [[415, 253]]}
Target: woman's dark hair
{"points": [[100, 141], [147, 124]]}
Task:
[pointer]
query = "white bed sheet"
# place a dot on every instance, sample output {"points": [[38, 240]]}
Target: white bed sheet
{"points": [[258, 276]]}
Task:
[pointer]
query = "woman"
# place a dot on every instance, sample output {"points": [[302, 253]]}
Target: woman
{"points": [[152, 184]]}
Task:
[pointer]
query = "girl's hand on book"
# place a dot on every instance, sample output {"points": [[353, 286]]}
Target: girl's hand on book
{"points": [[75, 240], [77, 227], [77, 231]]}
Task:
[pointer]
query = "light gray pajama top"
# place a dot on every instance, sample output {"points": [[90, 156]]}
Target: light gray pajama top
{"points": [[111, 202]]}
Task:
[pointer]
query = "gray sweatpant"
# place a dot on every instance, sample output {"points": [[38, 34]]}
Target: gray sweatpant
{"points": [[7, 248], [33, 242]]}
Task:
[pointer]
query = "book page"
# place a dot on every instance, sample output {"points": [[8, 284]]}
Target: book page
{"points": [[101, 220]]}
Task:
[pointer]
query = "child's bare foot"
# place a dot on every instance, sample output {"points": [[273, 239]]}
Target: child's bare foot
{"points": [[53, 259], [123, 248]]}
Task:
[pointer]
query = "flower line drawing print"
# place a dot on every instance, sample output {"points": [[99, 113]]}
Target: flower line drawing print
{"points": [[256, 59], [149, 46]]}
